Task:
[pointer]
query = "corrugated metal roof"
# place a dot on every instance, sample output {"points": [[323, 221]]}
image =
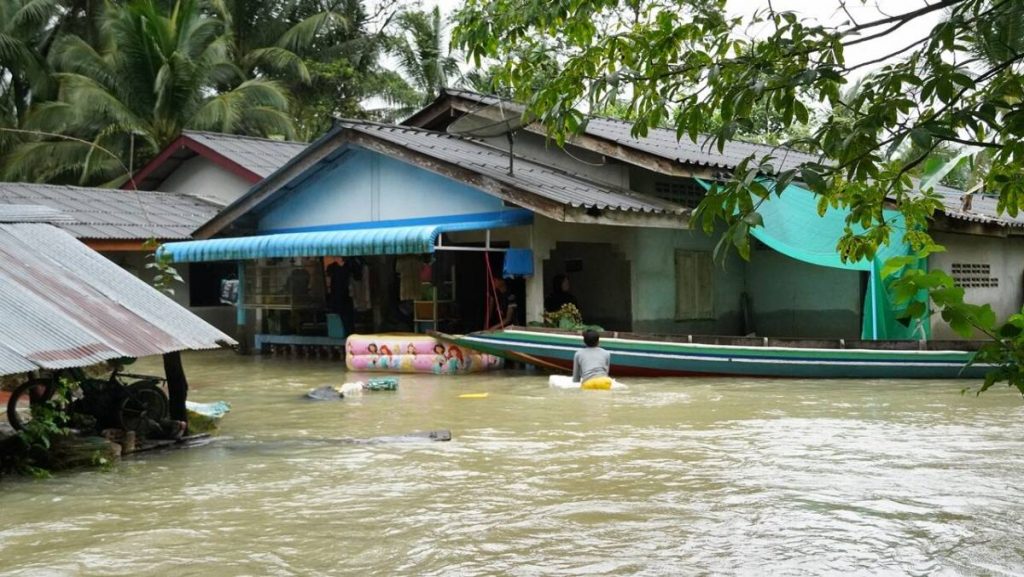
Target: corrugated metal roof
{"points": [[562, 187], [65, 305], [262, 156], [983, 209], [662, 142], [104, 213], [31, 213]]}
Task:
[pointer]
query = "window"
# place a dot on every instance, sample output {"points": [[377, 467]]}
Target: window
{"points": [[973, 275], [695, 297], [682, 192], [204, 282]]}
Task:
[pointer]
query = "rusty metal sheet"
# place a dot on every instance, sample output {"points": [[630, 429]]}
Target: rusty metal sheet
{"points": [[64, 305]]}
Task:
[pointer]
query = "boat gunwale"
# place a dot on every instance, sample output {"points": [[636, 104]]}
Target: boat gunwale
{"points": [[756, 344]]}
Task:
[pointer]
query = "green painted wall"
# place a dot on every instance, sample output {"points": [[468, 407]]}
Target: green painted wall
{"points": [[790, 298]]}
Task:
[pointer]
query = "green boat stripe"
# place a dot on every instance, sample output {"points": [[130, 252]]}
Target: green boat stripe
{"points": [[726, 356], [623, 345]]}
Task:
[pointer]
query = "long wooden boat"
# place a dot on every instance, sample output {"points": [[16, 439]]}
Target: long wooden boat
{"points": [[649, 355]]}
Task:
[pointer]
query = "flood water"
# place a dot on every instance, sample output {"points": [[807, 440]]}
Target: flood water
{"points": [[671, 477]]}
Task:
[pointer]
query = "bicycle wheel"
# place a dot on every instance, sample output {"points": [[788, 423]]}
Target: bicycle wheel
{"points": [[28, 394], [143, 408]]}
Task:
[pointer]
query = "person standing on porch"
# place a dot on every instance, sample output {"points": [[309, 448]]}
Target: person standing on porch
{"points": [[590, 365], [507, 305]]}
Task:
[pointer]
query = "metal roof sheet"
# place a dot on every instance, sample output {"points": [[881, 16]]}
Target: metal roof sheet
{"points": [[65, 305], [30, 213], [663, 143], [103, 213], [262, 156], [984, 209], [551, 183]]}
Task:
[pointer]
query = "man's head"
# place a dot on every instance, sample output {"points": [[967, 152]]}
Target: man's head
{"points": [[591, 338]]}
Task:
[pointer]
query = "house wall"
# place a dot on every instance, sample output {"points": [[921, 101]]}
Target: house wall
{"points": [[655, 293], [363, 186], [221, 317], [199, 176], [790, 298], [787, 298], [1005, 256]]}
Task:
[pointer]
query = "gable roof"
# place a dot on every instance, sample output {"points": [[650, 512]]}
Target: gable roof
{"points": [[105, 213], [552, 192], [65, 305], [248, 157]]}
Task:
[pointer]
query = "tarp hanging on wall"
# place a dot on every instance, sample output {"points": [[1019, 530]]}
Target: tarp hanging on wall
{"points": [[793, 227]]}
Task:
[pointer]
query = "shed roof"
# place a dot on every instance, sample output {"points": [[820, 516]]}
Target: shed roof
{"points": [[64, 305], [249, 157], [105, 213]]}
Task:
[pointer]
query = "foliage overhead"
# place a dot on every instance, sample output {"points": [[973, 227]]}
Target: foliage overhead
{"points": [[958, 87]]}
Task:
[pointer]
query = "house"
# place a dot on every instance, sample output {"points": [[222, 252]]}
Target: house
{"points": [[118, 223], [213, 166], [982, 245], [64, 305], [610, 210]]}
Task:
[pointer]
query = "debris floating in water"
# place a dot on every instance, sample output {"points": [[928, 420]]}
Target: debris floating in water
{"points": [[330, 393], [473, 395]]}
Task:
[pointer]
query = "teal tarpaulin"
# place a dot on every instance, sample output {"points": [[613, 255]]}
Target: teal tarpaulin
{"points": [[793, 227]]}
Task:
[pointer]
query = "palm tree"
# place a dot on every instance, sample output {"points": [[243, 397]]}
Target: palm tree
{"points": [[150, 75], [422, 56], [25, 27]]}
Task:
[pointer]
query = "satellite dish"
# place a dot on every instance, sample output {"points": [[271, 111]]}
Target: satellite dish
{"points": [[503, 118]]}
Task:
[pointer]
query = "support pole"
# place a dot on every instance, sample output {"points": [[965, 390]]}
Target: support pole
{"points": [[177, 385]]}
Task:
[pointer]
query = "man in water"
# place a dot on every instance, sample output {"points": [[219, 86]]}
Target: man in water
{"points": [[590, 365]]}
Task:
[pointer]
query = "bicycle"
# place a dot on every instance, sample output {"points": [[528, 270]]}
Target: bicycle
{"points": [[124, 401]]}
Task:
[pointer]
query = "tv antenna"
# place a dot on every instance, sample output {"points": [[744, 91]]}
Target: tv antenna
{"points": [[493, 120]]}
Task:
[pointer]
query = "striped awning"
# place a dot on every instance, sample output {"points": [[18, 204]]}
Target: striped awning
{"points": [[351, 240]]}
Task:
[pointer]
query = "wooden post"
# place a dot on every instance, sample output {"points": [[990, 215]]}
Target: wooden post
{"points": [[177, 385]]}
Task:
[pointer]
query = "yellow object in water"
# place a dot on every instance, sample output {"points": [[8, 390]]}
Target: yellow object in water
{"points": [[597, 384], [474, 396]]}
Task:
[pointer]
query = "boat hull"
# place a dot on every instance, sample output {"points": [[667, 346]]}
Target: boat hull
{"points": [[659, 358]]}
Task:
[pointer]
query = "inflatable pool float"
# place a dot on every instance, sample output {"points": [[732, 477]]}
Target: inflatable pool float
{"points": [[565, 382], [404, 353]]}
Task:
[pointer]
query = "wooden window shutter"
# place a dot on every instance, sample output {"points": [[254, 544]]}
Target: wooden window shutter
{"points": [[695, 296]]}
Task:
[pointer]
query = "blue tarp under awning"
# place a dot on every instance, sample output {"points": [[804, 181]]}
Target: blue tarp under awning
{"points": [[358, 239]]}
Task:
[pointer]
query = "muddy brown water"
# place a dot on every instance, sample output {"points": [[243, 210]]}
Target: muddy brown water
{"points": [[671, 477]]}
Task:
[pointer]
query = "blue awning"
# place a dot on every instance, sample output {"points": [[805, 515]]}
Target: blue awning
{"points": [[352, 240]]}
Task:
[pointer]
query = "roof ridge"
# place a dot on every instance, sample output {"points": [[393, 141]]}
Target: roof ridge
{"points": [[242, 137], [400, 127]]}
